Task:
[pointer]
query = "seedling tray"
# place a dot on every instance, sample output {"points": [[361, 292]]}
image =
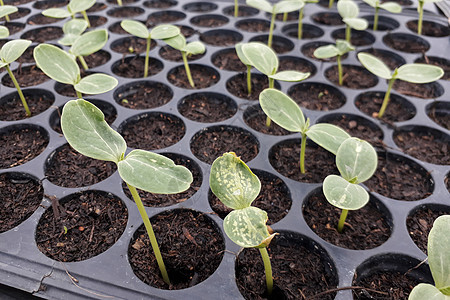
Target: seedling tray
{"points": [[109, 275]]}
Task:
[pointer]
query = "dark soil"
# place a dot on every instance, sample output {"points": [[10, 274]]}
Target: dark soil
{"points": [[279, 44], [40, 19], [309, 48], [221, 38], [317, 96], [421, 221], [132, 44], [11, 107], [169, 53], [117, 28], [27, 56], [134, 67], [228, 60], [21, 144], [186, 30], [191, 246], [400, 179], [160, 3], [437, 61], [357, 37], [68, 168], [164, 17], [14, 27], [126, 12], [399, 109], [292, 63], [81, 226], [365, 228], [253, 25], [425, 144], [354, 77], [153, 131], [297, 270], [330, 19], [162, 200], [123, 1], [425, 90], [274, 198], [16, 2], [319, 163], [43, 34], [50, 4], [243, 11], [97, 21], [26, 76], [211, 143], [210, 21], [439, 112], [199, 7], [291, 16], [308, 31], [429, 28], [98, 7], [255, 117], [207, 107], [22, 12], [384, 23], [406, 43], [401, 2], [21, 196], [392, 60], [237, 85], [144, 95], [65, 90], [203, 76], [96, 59]]}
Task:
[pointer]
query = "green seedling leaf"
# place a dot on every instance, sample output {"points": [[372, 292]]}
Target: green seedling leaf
{"points": [[356, 160], [343, 194], [290, 76], [356, 23], [247, 227], [286, 6], [347, 9], [12, 50], [7, 10], [438, 250], [343, 46], [328, 136], [262, 57], [57, 13], [86, 130], [282, 110], [4, 32], [178, 42], [372, 3], [427, 291], [96, 84], [194, 48], [164, 31], [135, 28], [76, 6], [233, 182], [326, 51], [57, 64], [391, 7], [89, 42], [375, 65], [72, 30], [419, 73], [261, 5], [154, 173], [241, 54]]}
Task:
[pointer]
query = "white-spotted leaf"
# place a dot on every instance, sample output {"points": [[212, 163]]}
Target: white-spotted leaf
{"points": [[241, 54], [372, 3], [326, 51], [343, 194], [72, 30], [194, 48], [76, 6], [262, 57], [290, 76], [12, 50], [343, 46], [438, 253], [263, 5], [347, 9], [391, 7], [4, 32], [356, 23], [96, 84], [178, 42], [164, 31], [328, 136], [7, 10], [57, 13], [135, 28], [286, 6], [375, 65], [426, 291], [419, 73], [89, 42]]}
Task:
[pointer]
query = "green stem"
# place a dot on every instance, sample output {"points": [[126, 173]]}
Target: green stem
{"points": [[300, 24], [236, 8], [19, 91], [419, 24], [79, 95], [268, 121], [285, 15], [151, 234], [119, 2], [342, 220], [272, 26], [271, 83], [347, 33], [386, 98], [341, 80], [188, 71], [249, 80], [267, 269], [375, 19], [86, 18], [330, 4], [302, 153], [147, 56], [83, 62]]}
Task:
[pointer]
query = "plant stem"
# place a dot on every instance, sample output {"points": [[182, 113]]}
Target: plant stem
{"points": [[268, 121], [419, 24], [338, 58], [236, 8], [302, 153], [188, 71], [86, 18], [147, 56], [83, 62], [119, 2], [271, 83], [272, 26], [249, 80], [330, 4], [342, 220], [300, 24], [347, 33], [375, 19], [267, 269], [19, 91], [285, 15], [151, 234], [386, 98], [79, 95]]}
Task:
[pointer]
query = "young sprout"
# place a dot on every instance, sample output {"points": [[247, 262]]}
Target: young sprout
{"points": [[420, 10], [349, 12], [265, 60], [284, 6], [286, 113], [392, 7], [6, 10], [236, 8], [86, 130], [232, 181], [179, 42], [62, 67], [357, 161], [415, 73], [74, 7], [11, 51], [72, 30], [140, 30], [439, 262], [340, 49], [88, 43], [246, 62], [300, 19]]}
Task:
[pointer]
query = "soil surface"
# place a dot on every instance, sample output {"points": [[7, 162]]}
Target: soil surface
{"points": [[26, 76], [207, 107], [317, 96], [308, 31], [429, 28], [439, 112], [40, 19], [134, 67], [354, 77], [11, 107], [406, 43], [330, 19], [279, 44], [399, 109], [159, 3], [50, 4], [256, 118], [144, 95], [130, 45], [391, 59], [68, 168], [81, 226], [203, 76], [96, 59], [309, 48], [126, 12], [117, 28], [253, 25], [228, 60], [191, 245], [164, 17], [243, 11], [210, 21], [237, 85], [27, 56], [199, 7], [357, 37], [172, 54], [221, 38], [43, 34], [292, 63], [424, 90], [21, 196], [97, 21], [98, 7], [365, 228], [22, 12], [14, 27]]}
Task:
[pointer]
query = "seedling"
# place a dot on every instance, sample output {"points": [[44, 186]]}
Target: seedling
{"points": [[300, 19], [232, 181], [357, 161], [415, 73], [62, 67], [265, 60], [5, 10], [72, 30], [349, 12], [74, 7], [179, 42], [286, 113], [340, 49], [420, 10], [11, 51], [389, 6], [246, 62], [284, 6], [140, 30], [86, 130], [88, 43], [439, 262]]}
